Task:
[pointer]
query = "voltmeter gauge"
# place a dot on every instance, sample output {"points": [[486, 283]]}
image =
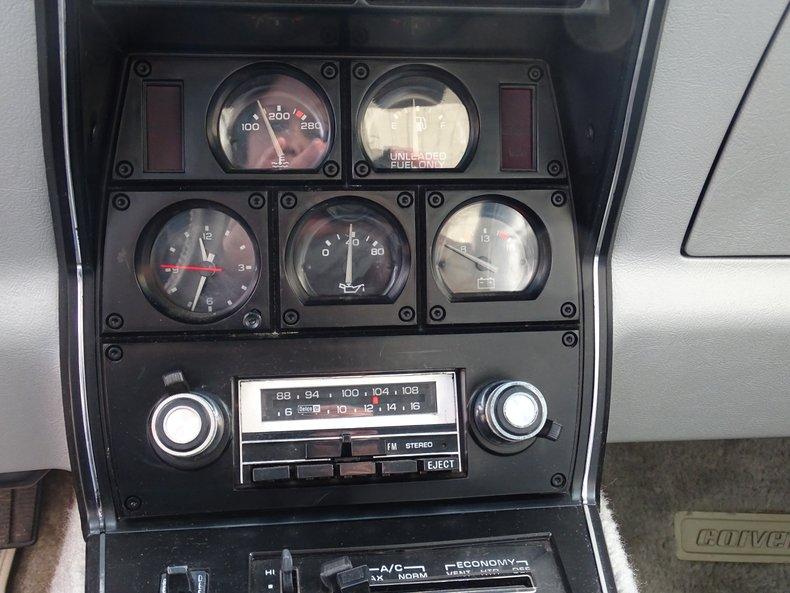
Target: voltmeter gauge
{"points": [[348, 250], [489, 248], [197, 264], [271, 119], [418, 119]]}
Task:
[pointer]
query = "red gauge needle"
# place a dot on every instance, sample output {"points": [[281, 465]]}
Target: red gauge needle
{"points": [[192, 268]]}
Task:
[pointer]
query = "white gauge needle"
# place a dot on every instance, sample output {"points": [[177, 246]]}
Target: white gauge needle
{"points": [[349, 257], [201, 283], [272, 135], [415, 137], [203, 253], [477, 260]]}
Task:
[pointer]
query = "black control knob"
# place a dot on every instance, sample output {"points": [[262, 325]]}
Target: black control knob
{"points": [[509, 415], [187, 429]]}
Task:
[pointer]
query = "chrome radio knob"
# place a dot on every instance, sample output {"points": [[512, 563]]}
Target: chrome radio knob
{"points": [[507, 415], [187, 429]]}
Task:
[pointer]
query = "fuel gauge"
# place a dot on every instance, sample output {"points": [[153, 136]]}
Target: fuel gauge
{"points": [[418, 119]]}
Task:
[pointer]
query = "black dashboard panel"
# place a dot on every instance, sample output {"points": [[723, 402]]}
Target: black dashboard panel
{"points": [[337, 268], [556, 288], [397, 309], [349, 277], [208, 81], [130, 218], [481, 81], [133, 386]]}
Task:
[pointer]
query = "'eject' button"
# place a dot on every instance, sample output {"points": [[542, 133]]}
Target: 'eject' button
{"points": [[439, 464]]}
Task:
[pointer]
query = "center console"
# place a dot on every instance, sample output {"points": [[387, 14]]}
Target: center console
{"points": [[334, 309]]}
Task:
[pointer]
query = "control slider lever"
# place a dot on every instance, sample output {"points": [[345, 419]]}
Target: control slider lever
{"points": [[288, 583], [182, 579], [340, 576]]}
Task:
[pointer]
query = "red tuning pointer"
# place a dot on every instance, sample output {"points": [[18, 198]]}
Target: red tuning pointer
{"points": [[191, 268]]}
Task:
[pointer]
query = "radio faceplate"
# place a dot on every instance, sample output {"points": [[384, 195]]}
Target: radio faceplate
{"points": [[388, 426]]}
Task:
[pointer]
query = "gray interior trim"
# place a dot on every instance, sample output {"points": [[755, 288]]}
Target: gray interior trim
{"points": [[32, 427], [699, 345], [745, 209]]}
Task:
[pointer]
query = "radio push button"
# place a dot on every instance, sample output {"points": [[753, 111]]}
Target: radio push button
{"points": [[315, 470], [357, 469], [271, 474], [324, 449], [398, 466]]}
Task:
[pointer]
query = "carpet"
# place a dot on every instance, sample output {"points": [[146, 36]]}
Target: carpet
{"points": [[646, 483]]}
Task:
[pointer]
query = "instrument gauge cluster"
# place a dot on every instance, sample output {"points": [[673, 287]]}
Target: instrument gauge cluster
{"points": [[338, 120], [372, 196]]}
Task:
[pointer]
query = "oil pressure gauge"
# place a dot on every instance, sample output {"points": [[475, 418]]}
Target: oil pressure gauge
{"points": [[348, 250]]}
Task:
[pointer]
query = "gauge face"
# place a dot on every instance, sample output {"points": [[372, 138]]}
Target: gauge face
{"points": [[349, 250], [201, 265], [272, 122], [415, 121], [485, 247]]}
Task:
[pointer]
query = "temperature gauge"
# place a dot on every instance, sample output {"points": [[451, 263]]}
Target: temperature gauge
{"points": [[274, 120]]}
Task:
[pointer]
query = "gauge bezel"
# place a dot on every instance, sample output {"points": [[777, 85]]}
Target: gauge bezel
{"points": [[144, 273], [236, 83], [542, 270], [428, 71], [322, 314], [397, 284], [561, 284]]}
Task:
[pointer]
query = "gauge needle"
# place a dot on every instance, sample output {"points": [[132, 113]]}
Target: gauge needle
{"points": [[477, 260], [272, 135], [203, 253], [201, 283], [415, 140], [349, 258]]}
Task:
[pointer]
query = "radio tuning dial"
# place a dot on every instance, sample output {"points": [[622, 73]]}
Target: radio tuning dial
{"points": [[187, 429], [509, 415]]}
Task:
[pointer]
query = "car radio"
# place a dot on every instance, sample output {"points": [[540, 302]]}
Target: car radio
{"points": [[393, 426]]}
